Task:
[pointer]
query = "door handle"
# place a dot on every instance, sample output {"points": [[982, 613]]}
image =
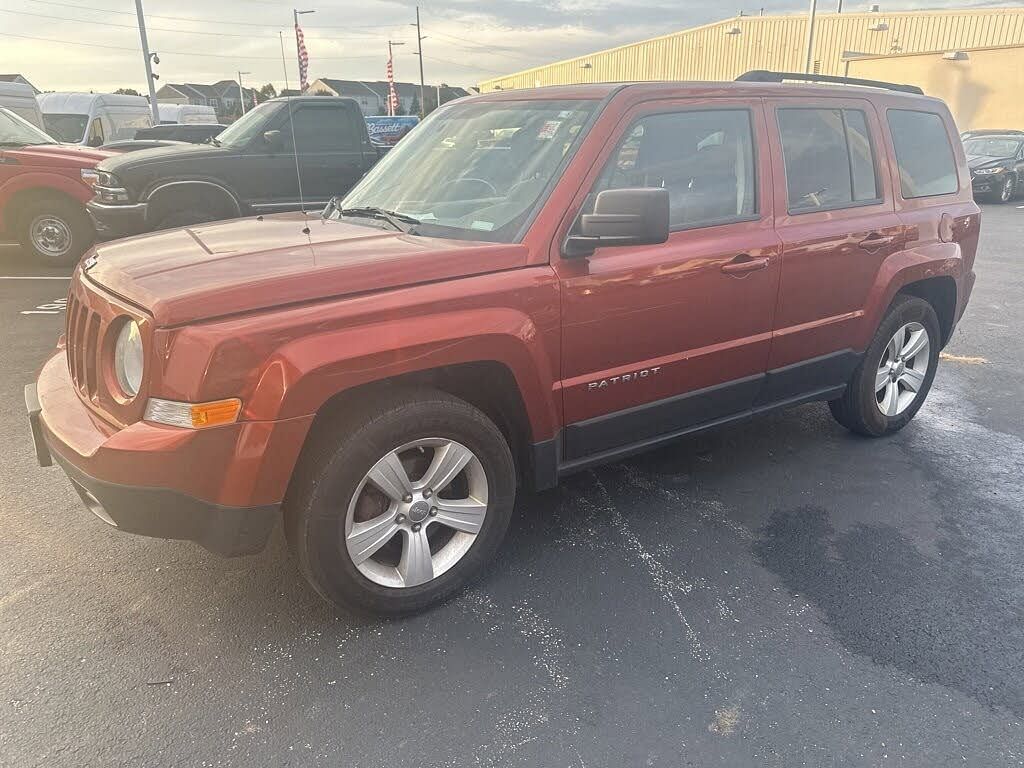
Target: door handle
{"points": [[874, 241], [743, 263]]}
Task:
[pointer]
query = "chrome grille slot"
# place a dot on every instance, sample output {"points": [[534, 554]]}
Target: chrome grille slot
{"points": [[69, 339], [78, 374]]}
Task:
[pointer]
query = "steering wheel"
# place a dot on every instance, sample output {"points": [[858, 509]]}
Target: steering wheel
{"points": [[464, 179]]}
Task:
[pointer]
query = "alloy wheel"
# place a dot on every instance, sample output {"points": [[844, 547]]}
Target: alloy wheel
{"points": [[902, 369], [1006, 192], [416, 512]]}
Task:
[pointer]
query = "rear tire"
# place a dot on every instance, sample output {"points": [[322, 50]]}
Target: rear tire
{"points": [[55, 231], [368, 550], [889, 386]]}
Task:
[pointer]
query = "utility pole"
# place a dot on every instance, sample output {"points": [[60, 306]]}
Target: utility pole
{"points": [[810, 37], [241, 92], [149, 58], [419, 52]]}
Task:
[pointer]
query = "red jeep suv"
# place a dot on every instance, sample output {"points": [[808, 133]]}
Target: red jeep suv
{"points": [[532, 282]]}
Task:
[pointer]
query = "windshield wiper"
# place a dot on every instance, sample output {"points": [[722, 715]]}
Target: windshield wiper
{"points": [[399, 221]]}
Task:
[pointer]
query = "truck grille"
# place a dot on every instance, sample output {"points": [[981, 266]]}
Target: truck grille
{"points": [[83, 334]]}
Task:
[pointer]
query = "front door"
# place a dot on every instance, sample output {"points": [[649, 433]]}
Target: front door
{"points": [[657, 339]]}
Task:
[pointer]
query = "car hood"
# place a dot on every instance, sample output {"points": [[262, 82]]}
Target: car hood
{"points": [[980, 161], [123, 164], [244, 265], [58, 155]]}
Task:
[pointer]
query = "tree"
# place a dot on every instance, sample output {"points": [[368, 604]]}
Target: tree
{"points": [[268, 91], [127, 92], [322, 92], [414, 108]]}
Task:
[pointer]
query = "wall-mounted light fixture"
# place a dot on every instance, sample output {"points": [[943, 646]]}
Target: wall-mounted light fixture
{"points": [[586, 65], [733, 30], [955, 56], [879, 27]]}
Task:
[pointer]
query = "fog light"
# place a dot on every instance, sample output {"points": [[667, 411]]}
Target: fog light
{"points": [[192, 415]]}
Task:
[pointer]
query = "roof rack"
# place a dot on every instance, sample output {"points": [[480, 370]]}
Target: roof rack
{"points": [[766, 76]]}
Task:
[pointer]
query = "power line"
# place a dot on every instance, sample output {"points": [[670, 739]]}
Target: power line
{"points": [[210, 21], [159, 29], [176, 53], [464, 66]]}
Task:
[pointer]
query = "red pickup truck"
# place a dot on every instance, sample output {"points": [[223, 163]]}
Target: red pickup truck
{"points": [[530, 283], [43, 190]]}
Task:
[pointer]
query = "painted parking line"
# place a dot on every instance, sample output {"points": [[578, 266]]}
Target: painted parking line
{"points": [[35, 276]]}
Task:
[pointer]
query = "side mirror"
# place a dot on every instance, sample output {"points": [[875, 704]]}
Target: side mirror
{"points": [[621, 217], [272, 138]]}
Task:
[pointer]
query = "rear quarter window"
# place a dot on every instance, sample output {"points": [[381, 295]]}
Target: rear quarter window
{"points": [[923, 153]]}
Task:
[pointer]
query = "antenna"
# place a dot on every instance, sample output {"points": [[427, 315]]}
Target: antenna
{"points": [[295, 155]]}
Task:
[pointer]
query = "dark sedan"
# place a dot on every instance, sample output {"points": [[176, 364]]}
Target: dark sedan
{"points": [[997, 166]]}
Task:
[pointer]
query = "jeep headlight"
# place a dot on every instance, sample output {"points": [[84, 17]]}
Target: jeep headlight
{"points": [[128, 358], [988, 171]]}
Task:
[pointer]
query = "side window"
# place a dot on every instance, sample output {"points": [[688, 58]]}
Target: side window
{"points": [[322, 129], [95, 133], [705, 159], [829, 158], [923, 153]]}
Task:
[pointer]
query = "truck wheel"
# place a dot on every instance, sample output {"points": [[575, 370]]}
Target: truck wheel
{"points": [[54, 231], [892, 381], [396, 507]]}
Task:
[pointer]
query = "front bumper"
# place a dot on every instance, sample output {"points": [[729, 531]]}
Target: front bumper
{"points": [[144, 479], [113, 221], [987, 185]]}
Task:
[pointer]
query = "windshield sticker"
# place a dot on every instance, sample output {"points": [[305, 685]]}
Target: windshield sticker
{"points": [[486, 226], [549, 129]]}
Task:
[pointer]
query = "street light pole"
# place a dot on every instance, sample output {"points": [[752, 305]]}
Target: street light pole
{"points": [[810, 37], [147, 56], [419, 52], [241, 92]]}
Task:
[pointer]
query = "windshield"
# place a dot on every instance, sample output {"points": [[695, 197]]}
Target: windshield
{"points": [[248, 126], [15, 131], [476, 170], [69, 128], [992, 147]]}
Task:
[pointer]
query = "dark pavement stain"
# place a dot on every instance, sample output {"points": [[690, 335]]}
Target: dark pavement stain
{"points": [[955, 621]]}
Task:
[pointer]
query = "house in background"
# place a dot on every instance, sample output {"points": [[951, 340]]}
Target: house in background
{"points": [[372, 95], [222, 96], [18, 79]]}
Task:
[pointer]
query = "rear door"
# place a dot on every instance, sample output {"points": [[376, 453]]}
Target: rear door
{"points": [[330, 139], [836, 218], [656, 339]]}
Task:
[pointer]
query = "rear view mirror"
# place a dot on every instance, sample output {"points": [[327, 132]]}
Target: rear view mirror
{"points": [[272, 138], [622, 217]]}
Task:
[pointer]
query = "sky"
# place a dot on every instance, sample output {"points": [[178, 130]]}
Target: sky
{"points": [[93, 45]]}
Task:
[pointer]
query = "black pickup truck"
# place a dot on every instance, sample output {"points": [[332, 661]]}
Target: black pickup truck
{"points": [[255, 166]]}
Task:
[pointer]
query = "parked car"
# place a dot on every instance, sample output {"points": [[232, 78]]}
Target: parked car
{"points": [[43, 189], [997, 166], [186, 113], [193, 133], [93, 119], [991, 132], [134, 145], [531, 283], [20, 99], [249, 168]]}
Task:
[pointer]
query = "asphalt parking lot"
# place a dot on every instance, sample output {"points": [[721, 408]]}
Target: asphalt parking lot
{"points": [[780, 593]]}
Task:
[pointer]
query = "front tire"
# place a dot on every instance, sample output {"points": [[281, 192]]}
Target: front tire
{"points": [[395, 508], [1007, 190], [54, 231], [893, 379]]}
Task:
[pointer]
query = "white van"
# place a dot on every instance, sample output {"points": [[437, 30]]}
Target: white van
{"points": [[187, 113], [21, 100], [93, 119]]}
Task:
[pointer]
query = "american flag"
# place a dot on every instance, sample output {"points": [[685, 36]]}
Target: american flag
{"points": [[392, 96], [300, 43]]}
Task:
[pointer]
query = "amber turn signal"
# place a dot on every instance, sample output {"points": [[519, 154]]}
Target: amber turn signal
{"points": [[193, 415]]}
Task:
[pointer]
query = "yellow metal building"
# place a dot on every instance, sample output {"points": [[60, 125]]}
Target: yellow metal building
{"points": [[725, 49]]}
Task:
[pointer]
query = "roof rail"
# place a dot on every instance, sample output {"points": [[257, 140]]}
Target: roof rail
{"points": [[766, 76]]}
